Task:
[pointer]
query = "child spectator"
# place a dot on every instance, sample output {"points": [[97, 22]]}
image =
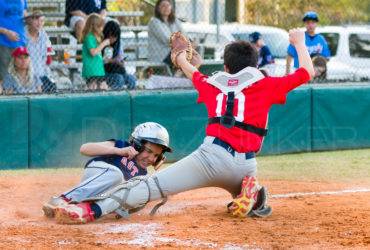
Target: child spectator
{"points": [[114, 63], [21, 79], [315, 43], [92, 60], [319, 66], [37, 45], [265, 56]]}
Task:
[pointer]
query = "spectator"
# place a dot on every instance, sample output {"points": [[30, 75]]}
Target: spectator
{"points": [[92, 60], [37, 45], [11, 31], [315, 43], [114, 62], [319, 66], [265, 56], [77, 12], [21, 79], [160, 28]]}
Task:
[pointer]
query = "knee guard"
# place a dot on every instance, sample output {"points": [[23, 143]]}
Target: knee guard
{"points": [[124, 210]]}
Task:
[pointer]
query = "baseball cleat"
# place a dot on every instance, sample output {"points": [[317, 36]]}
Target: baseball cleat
{"points": [[54, 202], [261, 212], [74, 214], [244, 202]]}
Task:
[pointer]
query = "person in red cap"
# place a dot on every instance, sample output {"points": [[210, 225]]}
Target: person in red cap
{"points": [[20, 78]]}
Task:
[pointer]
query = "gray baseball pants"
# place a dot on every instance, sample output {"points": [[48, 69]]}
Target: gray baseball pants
{"points": [[211, 165], [97, 177]]}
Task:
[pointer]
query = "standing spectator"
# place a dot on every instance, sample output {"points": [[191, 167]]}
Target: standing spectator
{"points": [[315, 43], [77, 12], [114, 62], [21, 79], [11, 31], [160, 29], [92, 60], [265, 56], [37, 45]]}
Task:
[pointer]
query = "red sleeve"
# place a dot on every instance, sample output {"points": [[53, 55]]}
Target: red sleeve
{"points": [[200, 83], [282, 85]]}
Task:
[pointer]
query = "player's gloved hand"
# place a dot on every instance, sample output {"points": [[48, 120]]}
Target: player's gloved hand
{"points": [[159, 165], [179, 43]]}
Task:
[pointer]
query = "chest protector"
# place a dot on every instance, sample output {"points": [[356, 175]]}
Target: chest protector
{"points": [[231, 85]]}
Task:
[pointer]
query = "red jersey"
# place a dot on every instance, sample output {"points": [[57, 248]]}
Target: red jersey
{"points": [[252, 105]]}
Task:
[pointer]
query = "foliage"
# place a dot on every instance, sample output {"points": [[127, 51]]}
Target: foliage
{"points": [[287, 14], [133, 5]]}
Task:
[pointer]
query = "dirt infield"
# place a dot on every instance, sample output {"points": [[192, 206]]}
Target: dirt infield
{"points": [[192, 220]]}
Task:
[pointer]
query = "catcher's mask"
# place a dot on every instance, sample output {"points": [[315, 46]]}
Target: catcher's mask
{"points": [[150, 132]]}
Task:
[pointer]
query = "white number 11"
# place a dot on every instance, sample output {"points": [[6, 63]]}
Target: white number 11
{"points": [[241, 100]]}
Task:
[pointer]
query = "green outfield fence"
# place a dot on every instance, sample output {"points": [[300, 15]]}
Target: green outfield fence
{"points": [[47, 131]]}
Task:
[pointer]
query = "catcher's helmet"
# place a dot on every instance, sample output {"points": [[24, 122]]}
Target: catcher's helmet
{"points": [[151, 132]]}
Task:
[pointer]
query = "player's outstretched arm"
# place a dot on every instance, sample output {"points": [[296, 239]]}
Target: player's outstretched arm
{"points": [[297, 39], [185, 66], [106, 148]]}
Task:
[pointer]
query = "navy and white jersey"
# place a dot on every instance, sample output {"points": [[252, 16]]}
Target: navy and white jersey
{"points": [[129, 168], [265, 57]]}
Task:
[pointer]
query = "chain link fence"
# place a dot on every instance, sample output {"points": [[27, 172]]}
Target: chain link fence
{"points": [[129, 49]]}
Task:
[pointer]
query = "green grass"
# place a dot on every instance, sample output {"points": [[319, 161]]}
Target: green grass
{"points": [[346, 165]]}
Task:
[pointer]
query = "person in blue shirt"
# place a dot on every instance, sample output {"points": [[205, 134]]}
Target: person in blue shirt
{"points": [[265, 56], [12, 31], [315, 43], [115, 161]]}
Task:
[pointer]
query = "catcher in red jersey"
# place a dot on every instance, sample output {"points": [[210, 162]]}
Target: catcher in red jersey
{"points": [[238, 101]]}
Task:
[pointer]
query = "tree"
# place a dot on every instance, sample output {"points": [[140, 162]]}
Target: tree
{"points": [[287, 14]]}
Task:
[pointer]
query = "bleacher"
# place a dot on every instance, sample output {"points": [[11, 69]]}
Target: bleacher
{"points": [[62, 38]]}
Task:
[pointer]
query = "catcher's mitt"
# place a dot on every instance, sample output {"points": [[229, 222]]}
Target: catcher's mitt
{"points": [[179, 42]]}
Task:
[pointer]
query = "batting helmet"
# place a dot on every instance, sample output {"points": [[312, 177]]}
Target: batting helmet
{"points": [[151, 132]]}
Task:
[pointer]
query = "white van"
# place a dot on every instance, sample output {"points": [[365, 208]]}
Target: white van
{"points": [[350, 52], [206, 36]]}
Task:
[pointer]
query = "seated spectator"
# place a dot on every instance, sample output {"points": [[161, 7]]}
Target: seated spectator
{"points": [[11, 31], [21, 79], [160, 29], [78, 11], [92, 60], [319, 65], [114, 61], [37, 46], [265, 56]]}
